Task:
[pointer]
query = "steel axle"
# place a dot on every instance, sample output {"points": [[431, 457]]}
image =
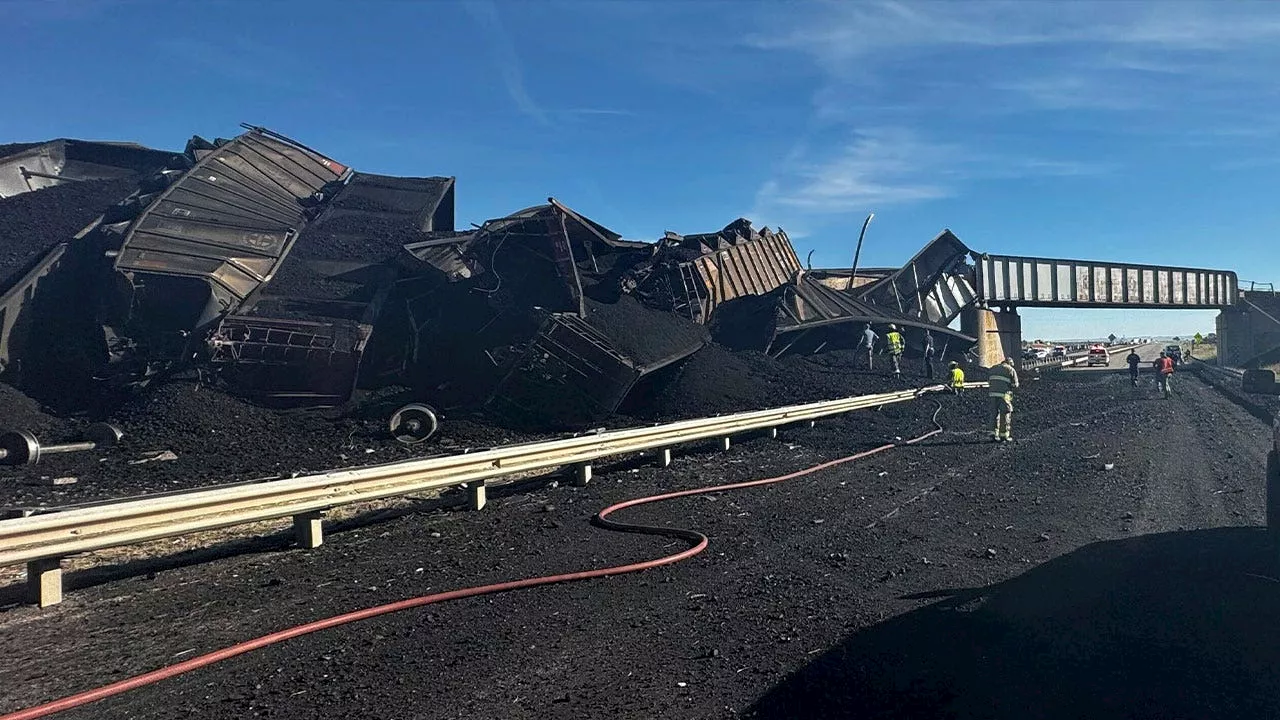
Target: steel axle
{"points": [[20, 447]]}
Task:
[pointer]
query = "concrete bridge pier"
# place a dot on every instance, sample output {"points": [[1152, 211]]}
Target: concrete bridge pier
{"points": [[999, 333], [1235, 337], [1249, 332]]}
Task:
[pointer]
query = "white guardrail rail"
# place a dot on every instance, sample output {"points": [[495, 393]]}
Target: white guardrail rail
{"points": [[42, 541]]}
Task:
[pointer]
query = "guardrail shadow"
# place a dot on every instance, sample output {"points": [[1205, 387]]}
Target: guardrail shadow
{"points": [[1174, 625]]}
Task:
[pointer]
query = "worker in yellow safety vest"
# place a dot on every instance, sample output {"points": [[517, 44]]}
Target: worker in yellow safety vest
{"points": [[1003, 380], [896, 346], [957, 378]]}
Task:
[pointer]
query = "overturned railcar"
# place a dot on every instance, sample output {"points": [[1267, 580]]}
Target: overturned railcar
{"points": [[748, 286]]}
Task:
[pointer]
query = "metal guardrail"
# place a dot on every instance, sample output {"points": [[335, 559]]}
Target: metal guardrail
{"points": [[42, 541]]}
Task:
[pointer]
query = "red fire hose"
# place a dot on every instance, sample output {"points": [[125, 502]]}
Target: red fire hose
{"points": [[697, 541]]}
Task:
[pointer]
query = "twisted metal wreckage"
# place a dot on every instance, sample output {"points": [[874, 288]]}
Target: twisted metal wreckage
{"points": [[298, 281]]}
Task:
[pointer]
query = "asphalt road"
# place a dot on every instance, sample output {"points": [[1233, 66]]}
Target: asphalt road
{"points": [[955, 578], [1148, 353]]}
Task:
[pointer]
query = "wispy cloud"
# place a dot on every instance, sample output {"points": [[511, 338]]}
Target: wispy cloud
{"points": [[1072, 92], [1088, 55], [890, 166], [877, 168], [945, 76], [485, 13], [596, 111]]}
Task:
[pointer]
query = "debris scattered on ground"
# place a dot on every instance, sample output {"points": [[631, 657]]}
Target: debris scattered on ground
{"points": [[52, 481], [161, 456]]}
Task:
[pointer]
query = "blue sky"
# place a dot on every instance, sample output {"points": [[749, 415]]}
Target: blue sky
{"points": [[1119, 131]]}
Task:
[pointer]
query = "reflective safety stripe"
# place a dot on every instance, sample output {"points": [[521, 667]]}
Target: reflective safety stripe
{"points": [[895, 342], [1000, 385]]}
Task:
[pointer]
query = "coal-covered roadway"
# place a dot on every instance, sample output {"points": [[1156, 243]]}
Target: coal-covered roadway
{"points": [[956, 578]]}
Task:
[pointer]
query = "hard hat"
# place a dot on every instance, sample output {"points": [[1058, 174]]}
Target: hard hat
{"points": [[955, 364], [892, 326]]}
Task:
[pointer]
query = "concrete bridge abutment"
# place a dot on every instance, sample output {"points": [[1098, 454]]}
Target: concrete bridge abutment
{"points": [[999, 333]]}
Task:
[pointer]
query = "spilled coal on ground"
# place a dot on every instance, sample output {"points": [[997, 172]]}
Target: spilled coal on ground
{"points": [[214, 437]]}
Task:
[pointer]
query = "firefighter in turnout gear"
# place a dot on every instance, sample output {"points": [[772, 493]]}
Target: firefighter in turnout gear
{"points": [[896, 346], [1003, 381], [957, 378]]}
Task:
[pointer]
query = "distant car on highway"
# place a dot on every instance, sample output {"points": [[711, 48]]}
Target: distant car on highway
{"points": [[1098, 355], [1059, 351], [1175, 352]]}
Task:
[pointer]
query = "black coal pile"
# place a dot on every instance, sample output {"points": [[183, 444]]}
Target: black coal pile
{"points": [[716, 381], [357, 237], [31, 224], [7, 149], [19, 412], [644, 335]]}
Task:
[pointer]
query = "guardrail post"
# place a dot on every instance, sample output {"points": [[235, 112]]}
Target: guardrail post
{"points": [[664, 457], [44, 581], [582, 473], [726, 442], [477, 496], [308, 529]]}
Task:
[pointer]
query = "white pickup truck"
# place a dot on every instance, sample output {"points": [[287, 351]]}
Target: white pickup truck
{"points": [[1098, 355]]}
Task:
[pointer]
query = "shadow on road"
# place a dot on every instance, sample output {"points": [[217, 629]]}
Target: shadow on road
{"points": [[1174, 625]]}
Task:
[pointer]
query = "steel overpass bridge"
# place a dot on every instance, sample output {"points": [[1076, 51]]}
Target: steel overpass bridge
{"points": [[946, 280]]}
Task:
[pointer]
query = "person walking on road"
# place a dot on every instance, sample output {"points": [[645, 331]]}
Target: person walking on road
{"points": [[956, 382], [1003, 380], [896, 346], [869, 338], [1133, 361], [928, 355], [1166, 373]]}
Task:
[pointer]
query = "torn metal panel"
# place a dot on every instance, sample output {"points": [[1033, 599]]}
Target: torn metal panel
{"points": [[695, 274], [15, 307], [535, 257], [447, 254], [568, 375], [604, 234], [748, 266], [287, 362], [231, 219], [808, 305], [934, 285], [838, 279], [571, 374]]}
